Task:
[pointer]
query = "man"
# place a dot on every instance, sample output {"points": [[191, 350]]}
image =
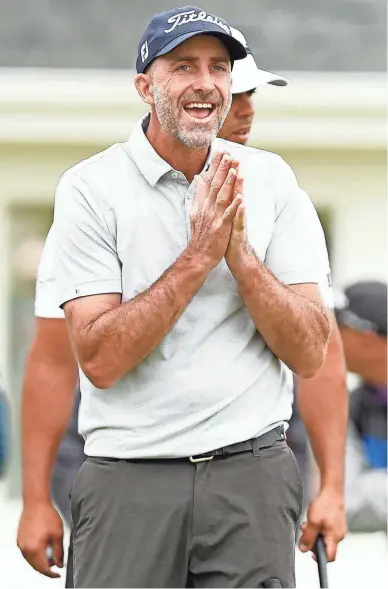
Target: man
{"points": [[246, 78], [182, 332], [322, 400], [48, 406], [362, 318], [41, 563], [50, 366]]}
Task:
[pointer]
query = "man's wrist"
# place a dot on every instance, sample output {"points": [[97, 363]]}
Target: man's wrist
{"points": [[242, 265], [196, 261], [332, 487], [35, 498]]}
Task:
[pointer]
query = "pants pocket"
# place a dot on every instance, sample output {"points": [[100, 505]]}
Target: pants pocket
{"points": [[74, 496], [299, 480]]}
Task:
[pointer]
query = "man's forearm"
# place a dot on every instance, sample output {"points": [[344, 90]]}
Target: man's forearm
{"points": [[294, 328], [323, 405], [48, 398], [119, 339]]}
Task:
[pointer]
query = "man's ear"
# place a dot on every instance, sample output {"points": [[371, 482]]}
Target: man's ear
{"points": [[143, 83]]}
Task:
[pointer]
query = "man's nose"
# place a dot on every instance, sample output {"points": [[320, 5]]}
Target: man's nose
{"points": [[203, 82]]}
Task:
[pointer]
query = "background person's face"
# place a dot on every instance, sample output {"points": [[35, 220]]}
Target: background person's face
{"points": [[191, 90], [238, 123]]}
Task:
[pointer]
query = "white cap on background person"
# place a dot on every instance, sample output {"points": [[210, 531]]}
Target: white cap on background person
{"points": [[246, 75]]}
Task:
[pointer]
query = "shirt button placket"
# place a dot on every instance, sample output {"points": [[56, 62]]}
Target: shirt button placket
{"points": [[188, 204]]}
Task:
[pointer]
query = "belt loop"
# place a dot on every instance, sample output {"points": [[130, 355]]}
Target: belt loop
{"points": [[255, 447]]}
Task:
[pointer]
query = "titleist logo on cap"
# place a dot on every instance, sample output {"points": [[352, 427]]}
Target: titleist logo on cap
{"points": [[182, 18]]}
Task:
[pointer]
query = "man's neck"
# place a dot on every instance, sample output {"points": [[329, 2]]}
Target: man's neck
{"points": [[188, 161]]}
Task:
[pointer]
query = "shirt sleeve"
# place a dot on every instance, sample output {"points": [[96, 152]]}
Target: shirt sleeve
{"points": [[297, 252], [46, 295], [326, 290], [86, 256]]}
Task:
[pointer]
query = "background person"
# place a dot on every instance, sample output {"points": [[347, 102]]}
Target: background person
{"points": [[52, 449], [362, 318], [321, 407]]}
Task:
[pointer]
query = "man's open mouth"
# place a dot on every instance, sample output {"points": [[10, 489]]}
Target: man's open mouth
{"points": [[199, 110]]}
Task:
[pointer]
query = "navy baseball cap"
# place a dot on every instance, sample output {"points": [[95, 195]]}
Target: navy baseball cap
{"points": [[363, 306], [169, 29]]}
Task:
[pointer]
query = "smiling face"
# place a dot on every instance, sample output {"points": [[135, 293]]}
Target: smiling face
{"points": [[190, 89]]}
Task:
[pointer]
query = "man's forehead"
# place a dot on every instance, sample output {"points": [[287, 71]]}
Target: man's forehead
{"points": [[197, 46]]}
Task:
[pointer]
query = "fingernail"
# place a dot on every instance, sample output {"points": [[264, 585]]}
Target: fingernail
{"points": [[303, 547], [232, 172]]}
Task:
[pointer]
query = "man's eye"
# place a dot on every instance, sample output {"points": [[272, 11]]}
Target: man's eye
{"points": [[184, 68], [220, 68]]}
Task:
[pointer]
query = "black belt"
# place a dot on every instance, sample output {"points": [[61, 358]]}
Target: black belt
{"points": [[254, 445]]}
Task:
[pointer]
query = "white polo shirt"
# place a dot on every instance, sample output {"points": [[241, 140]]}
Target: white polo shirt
{"points": [[122, 218]]}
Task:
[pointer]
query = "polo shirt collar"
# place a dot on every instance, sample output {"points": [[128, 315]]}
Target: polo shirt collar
{"points": [[149, 163]]}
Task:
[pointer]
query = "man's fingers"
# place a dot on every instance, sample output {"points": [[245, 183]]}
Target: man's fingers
{"points": [[308, 537], [239, 185], [239, 220], [231, 211], [215, 162], [38, 560], [200, 192], [226, 192], [57, 548], [235, 164], [42, 565], [331, 548], [219, 178]]}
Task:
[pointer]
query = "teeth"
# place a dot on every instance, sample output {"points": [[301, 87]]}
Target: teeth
{"points": [[199, 105]]}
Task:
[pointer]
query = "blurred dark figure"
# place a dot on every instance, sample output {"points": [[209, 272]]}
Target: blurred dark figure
{"points": [[362, 318], [69, 460], [5, 421], [297, 439]]}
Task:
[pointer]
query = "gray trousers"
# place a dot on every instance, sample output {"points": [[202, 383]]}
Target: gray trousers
{"points": [[229, 522]]}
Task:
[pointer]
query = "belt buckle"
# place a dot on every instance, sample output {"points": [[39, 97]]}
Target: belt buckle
{"points": [[203, 459]]}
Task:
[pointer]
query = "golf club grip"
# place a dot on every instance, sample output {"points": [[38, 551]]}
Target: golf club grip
{"points": [[320, 551]]}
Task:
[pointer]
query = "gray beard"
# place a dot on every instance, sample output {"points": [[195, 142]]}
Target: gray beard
{"points": [[193, 135]]}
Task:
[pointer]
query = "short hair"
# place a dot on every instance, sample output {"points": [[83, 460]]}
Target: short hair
{"points": [[151, 68]]}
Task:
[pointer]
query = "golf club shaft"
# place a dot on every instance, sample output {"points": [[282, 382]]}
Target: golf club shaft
{"points": [[320, 550]]}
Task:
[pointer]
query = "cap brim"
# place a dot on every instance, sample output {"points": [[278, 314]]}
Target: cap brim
{"points": [[236, 50], [247, 76]]}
